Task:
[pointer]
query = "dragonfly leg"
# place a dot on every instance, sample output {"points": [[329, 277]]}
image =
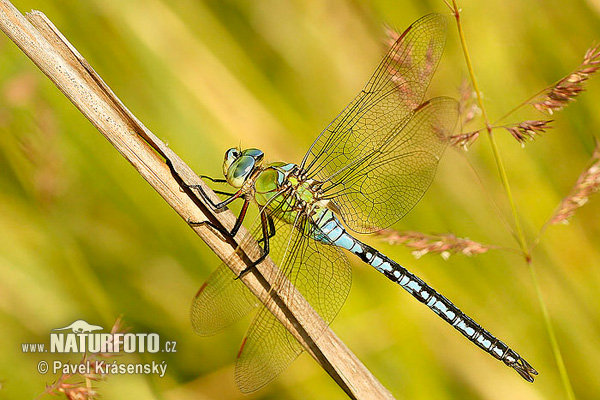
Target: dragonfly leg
{"points": [[217, 206], [212, 179], [271, 230], [268, 231], [221, 205], [215, 227], [223, 193], [240, 218], [238, 221], [199, 188]]}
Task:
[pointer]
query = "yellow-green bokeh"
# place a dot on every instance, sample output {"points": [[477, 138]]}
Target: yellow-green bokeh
{"points": [[84, 237]]}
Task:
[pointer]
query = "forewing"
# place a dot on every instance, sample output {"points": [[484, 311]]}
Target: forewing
{"points": [[394, 91], [221, 300], [321, 274], [378, 189]]}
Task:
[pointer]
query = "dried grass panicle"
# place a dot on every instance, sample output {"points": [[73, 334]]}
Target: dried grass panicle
{"points": [[76, 391], [443, 244], [464, 140], [467, 111], [558, 96], [587, 184], [528, 130], [77, 386], [467, 102]]}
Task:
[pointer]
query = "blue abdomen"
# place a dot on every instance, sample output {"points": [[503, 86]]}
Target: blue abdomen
{"points": [[329, 230]]}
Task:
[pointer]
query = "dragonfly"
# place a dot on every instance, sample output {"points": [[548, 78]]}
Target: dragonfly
{"points": [[368, 168]]}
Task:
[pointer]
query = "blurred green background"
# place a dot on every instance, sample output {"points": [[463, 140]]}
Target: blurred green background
{"points": [[84, 237]]}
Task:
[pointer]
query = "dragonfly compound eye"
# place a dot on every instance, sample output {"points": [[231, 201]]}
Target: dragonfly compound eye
{"points": [[240, 170], [230, 156], [257, 154]]}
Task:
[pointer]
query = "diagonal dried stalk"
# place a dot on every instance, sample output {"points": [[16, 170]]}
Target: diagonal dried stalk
{"points": [[444, 244], [587, 184], [41, 41], [556, 97]]}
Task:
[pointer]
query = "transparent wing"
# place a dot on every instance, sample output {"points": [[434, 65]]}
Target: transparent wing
{"points": [[378, 189], [374, 120], [221, 301], [321, 273]]}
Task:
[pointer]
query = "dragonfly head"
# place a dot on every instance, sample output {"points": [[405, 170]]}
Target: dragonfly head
{"points": [[239, 165]]}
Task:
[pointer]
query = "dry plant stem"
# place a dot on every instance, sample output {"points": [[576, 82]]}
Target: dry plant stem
{"points": [[521, 238], [499, 163], [564, 375], [39, 39]]}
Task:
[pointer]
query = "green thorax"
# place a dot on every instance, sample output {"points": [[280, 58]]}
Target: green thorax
{"points": [[277, 177]]}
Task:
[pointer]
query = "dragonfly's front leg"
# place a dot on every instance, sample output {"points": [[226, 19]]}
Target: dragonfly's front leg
{"points": [[221, 206], [217, 206], [268, 226]]}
